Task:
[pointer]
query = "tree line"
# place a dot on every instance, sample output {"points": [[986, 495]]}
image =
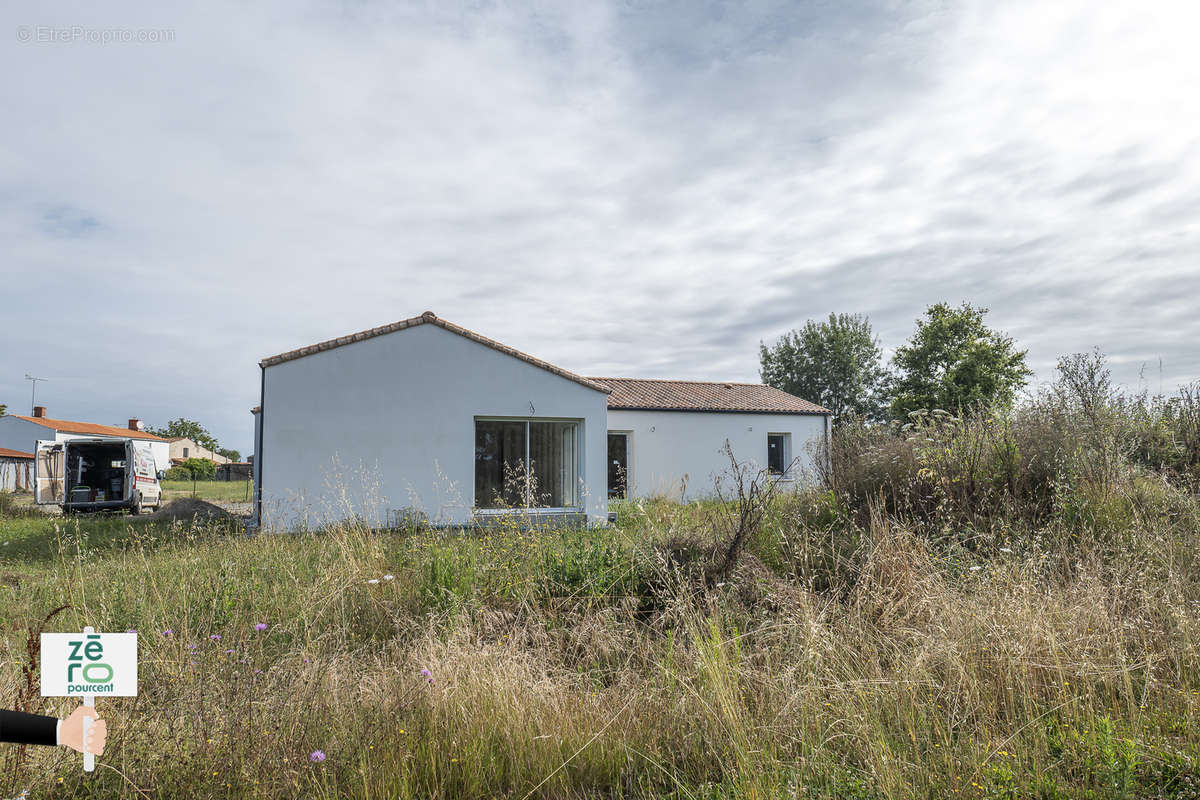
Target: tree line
{"points": [[953, 362]]}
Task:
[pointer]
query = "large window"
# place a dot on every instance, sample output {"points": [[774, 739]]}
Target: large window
{"points": [[526, 463]]}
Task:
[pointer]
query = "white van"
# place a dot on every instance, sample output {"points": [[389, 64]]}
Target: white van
{"points": [[102, 474]]}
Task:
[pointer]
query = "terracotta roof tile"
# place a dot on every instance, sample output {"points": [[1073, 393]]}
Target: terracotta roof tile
{"points": [[660, 395], [90, 428], [431, 319], [6, 453]]}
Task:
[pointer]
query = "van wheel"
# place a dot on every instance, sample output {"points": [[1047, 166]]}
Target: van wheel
{"points": [[136, 508]]}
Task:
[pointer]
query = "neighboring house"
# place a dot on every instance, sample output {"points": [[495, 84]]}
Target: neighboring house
{"points": [[428, 418], [183, 448], [16, 470], [18, 432], [665, 438]]}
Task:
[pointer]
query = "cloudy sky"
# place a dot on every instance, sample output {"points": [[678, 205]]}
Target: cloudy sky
{"points": [[623, 188]]}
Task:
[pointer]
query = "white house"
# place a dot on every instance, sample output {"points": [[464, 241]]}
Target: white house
{"points": [[667, 438], [423, 415], [426, 416], [21, 433]]}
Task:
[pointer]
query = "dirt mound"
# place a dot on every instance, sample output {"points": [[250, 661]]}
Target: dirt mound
{"points": [[187, 509]]}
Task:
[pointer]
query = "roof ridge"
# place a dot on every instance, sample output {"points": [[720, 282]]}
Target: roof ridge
{"points": [[680, 380], [430, 318]]}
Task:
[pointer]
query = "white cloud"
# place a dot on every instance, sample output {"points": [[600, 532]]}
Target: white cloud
{"points": [[620, 188]]}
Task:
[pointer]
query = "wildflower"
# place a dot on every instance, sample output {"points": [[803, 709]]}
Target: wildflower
{"points": [[976, 568], [229, 651], [168, 632], [389, 577], [260, 627], [316, 756], [216, 637], [373, 581], [131, 630], [427, 675]]}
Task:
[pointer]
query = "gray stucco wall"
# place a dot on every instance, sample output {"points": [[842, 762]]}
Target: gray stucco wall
{"points": [[678, 454], [373, 427]]}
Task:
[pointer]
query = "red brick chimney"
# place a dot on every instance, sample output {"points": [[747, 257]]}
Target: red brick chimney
{"points": [[135, 424], [39, 411]]}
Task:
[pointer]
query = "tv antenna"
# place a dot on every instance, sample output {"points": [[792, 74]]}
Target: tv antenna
{"points": [[33, 397]]}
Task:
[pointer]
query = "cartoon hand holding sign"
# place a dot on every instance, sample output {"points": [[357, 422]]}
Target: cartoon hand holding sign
{"points": [[85, 665]]}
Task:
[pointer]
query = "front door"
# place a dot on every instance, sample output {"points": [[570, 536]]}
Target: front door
{"points": [[618, 465]]}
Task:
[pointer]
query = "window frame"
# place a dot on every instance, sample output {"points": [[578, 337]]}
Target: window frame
{"points": [[528, 509], [628, 434], [786, 454]]}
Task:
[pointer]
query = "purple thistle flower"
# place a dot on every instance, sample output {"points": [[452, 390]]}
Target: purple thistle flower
{"points": [[260, 627], [168, 632], [131, 630], [227, 652], [427, 675], [216, 637], [316, 756], [191, 647]]}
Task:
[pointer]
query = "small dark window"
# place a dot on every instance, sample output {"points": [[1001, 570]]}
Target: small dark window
{"points": [[185, 452], [618, 465], [776, 453]]}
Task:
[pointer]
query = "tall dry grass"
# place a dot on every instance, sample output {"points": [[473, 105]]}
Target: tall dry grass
{"points": [[981, 608]]}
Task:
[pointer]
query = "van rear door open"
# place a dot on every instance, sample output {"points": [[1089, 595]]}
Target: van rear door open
{"points": [[49, 473]]}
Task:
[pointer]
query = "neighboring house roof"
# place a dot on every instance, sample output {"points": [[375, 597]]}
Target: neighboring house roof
{"points": [[6, 453], [431, 319], [89, 428], [658, 395]]}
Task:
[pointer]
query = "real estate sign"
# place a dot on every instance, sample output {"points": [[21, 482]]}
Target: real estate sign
{"points": [[89, 664]]}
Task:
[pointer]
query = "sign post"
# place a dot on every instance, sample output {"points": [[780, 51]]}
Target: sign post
{"points": [[88, 664]]}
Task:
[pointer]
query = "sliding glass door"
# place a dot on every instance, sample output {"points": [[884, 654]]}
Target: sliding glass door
{"points": [[526, 463]]}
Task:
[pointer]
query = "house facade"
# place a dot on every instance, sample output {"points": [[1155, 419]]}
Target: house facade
{"points": [[183, 448], [425, 418], [667, 438], [22, 433]]}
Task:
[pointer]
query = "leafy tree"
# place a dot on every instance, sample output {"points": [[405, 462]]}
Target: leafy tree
{"points": [[200, 469], [953, 361], [836, 364], [232, 455], [189, 429], [3, 409]]}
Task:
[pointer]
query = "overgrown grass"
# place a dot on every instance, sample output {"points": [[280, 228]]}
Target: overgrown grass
{"points": [[892, 635], [213, 491]]}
